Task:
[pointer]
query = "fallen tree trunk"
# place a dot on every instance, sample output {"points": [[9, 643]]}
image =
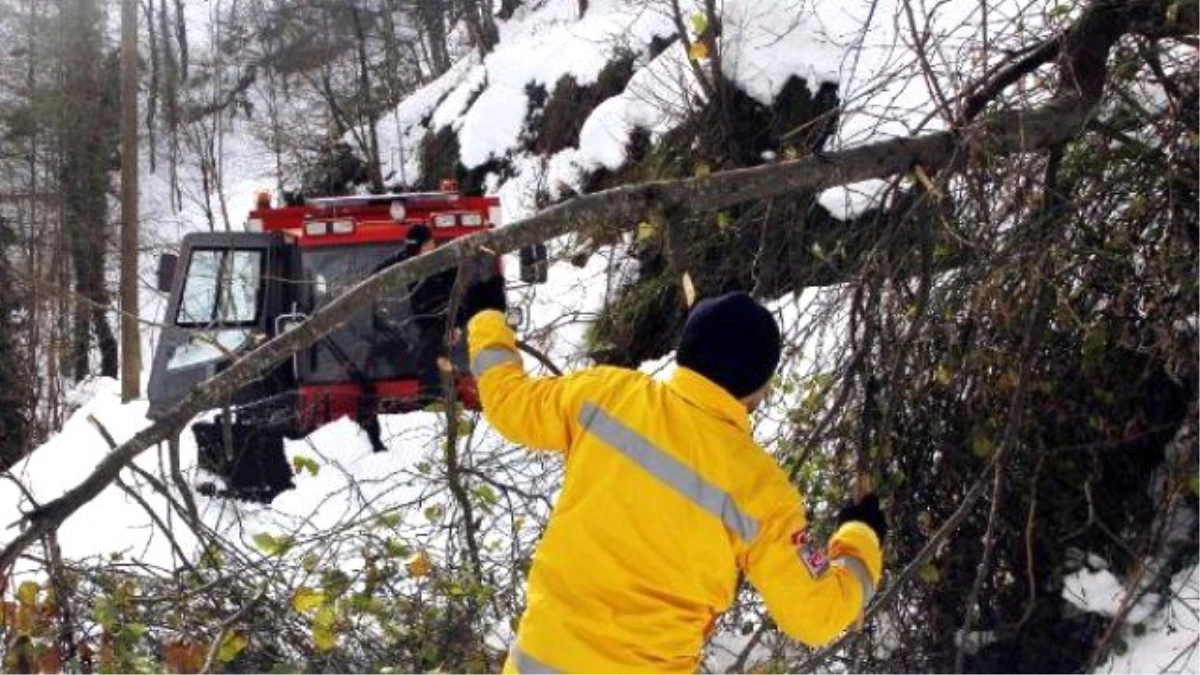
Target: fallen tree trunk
{"points": [[1006, 133]]}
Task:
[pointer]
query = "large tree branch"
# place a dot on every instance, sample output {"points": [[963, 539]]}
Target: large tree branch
{"points": [[1002, 134]]}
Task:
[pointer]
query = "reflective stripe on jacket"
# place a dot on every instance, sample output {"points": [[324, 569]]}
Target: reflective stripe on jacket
{"points": [[666, 497]]}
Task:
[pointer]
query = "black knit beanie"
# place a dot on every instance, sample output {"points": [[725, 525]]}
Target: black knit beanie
{"points": [[733, 341]]}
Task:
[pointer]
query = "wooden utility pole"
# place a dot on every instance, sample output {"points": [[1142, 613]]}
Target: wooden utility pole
{"points": [[131, 341]]}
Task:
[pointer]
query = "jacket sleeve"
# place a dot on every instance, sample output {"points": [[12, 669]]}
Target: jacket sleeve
{"points": [[540, 413], [813, 593]]}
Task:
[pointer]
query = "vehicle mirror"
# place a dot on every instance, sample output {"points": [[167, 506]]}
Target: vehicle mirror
{"points": [[534, 264], [515, 316], [167, 262]]}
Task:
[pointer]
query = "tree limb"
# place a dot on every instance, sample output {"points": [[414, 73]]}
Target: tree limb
{"points": [[1006, 133]]}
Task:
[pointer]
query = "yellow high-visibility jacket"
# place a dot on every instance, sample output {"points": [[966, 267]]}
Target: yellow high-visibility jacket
{"points": [[666, 497]]}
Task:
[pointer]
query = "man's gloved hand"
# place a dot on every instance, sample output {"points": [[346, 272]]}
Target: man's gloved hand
{"points": [[484, 294], [865, 511]]}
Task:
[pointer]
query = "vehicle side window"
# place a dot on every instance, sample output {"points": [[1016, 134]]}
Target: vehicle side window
{"points": [[222, 288]]}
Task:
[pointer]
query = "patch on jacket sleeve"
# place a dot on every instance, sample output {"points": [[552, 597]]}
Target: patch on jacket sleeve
{"points": [[811, 554]]}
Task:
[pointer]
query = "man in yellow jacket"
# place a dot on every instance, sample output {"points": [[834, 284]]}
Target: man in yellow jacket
{"points": [[666, 498]]}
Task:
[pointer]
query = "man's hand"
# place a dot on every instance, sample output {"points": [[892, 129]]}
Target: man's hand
{"points": [[865, 511]]}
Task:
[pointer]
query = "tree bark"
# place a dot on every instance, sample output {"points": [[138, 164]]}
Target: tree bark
{"points": [[131, 340], [480, 25], [366, 108], [86, 124], [431, 17]]}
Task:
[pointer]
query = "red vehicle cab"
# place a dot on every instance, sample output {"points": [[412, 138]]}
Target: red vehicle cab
{"points": [[231, 291]]}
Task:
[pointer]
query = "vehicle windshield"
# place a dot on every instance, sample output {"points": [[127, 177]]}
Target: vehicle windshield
{"points": [[381, 342]]}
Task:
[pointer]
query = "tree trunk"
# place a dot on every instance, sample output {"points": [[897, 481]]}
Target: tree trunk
{"points": [[181, 37], [152, 89], [431, 17], [509, 7], [480, 25], [366, 114], [86, 123], [131, 341], [170, 100]]}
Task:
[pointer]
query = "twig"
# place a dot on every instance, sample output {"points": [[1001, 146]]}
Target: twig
{"points": [[1032, 339], [541, 357], [183, 558], [223, 630], [1029, 522]]}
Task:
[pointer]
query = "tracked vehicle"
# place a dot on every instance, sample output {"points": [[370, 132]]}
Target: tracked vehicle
{"points": [[231, 291]]}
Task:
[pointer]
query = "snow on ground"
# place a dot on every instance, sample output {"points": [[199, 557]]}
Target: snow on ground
{"points": [[1159, 636], [352, 482]]}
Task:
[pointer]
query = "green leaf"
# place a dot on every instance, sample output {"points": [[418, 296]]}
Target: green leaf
{"points": [[105, 612], [302, 463], [135, 630], [724, 220], [699, 23], [272, 545], [465, 426], [981, 445], [390, 520], [306, 599], [326, 617], [231, 646], [27, 593], [396, 548], [325, 639], [335, 582], [942, 375], [487, 495], [930, 574], [433, 513]]}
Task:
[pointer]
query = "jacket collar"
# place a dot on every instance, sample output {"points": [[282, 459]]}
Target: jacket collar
{"points": [[710, 396]]}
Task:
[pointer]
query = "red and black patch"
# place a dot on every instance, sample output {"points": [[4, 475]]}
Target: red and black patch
{"points": [[811, 553]]}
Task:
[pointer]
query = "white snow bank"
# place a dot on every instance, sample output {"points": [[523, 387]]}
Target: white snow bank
{"points": [[655, 99], [1102, 593], [848, 201], [767, 42], [351, 484], [1170, 638], [1157, 639], [111, 523]]}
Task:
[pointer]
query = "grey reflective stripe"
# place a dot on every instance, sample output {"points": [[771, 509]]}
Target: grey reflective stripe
{"points": [[669, 470], [491, 357], [859, 570], [524, 663]]}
